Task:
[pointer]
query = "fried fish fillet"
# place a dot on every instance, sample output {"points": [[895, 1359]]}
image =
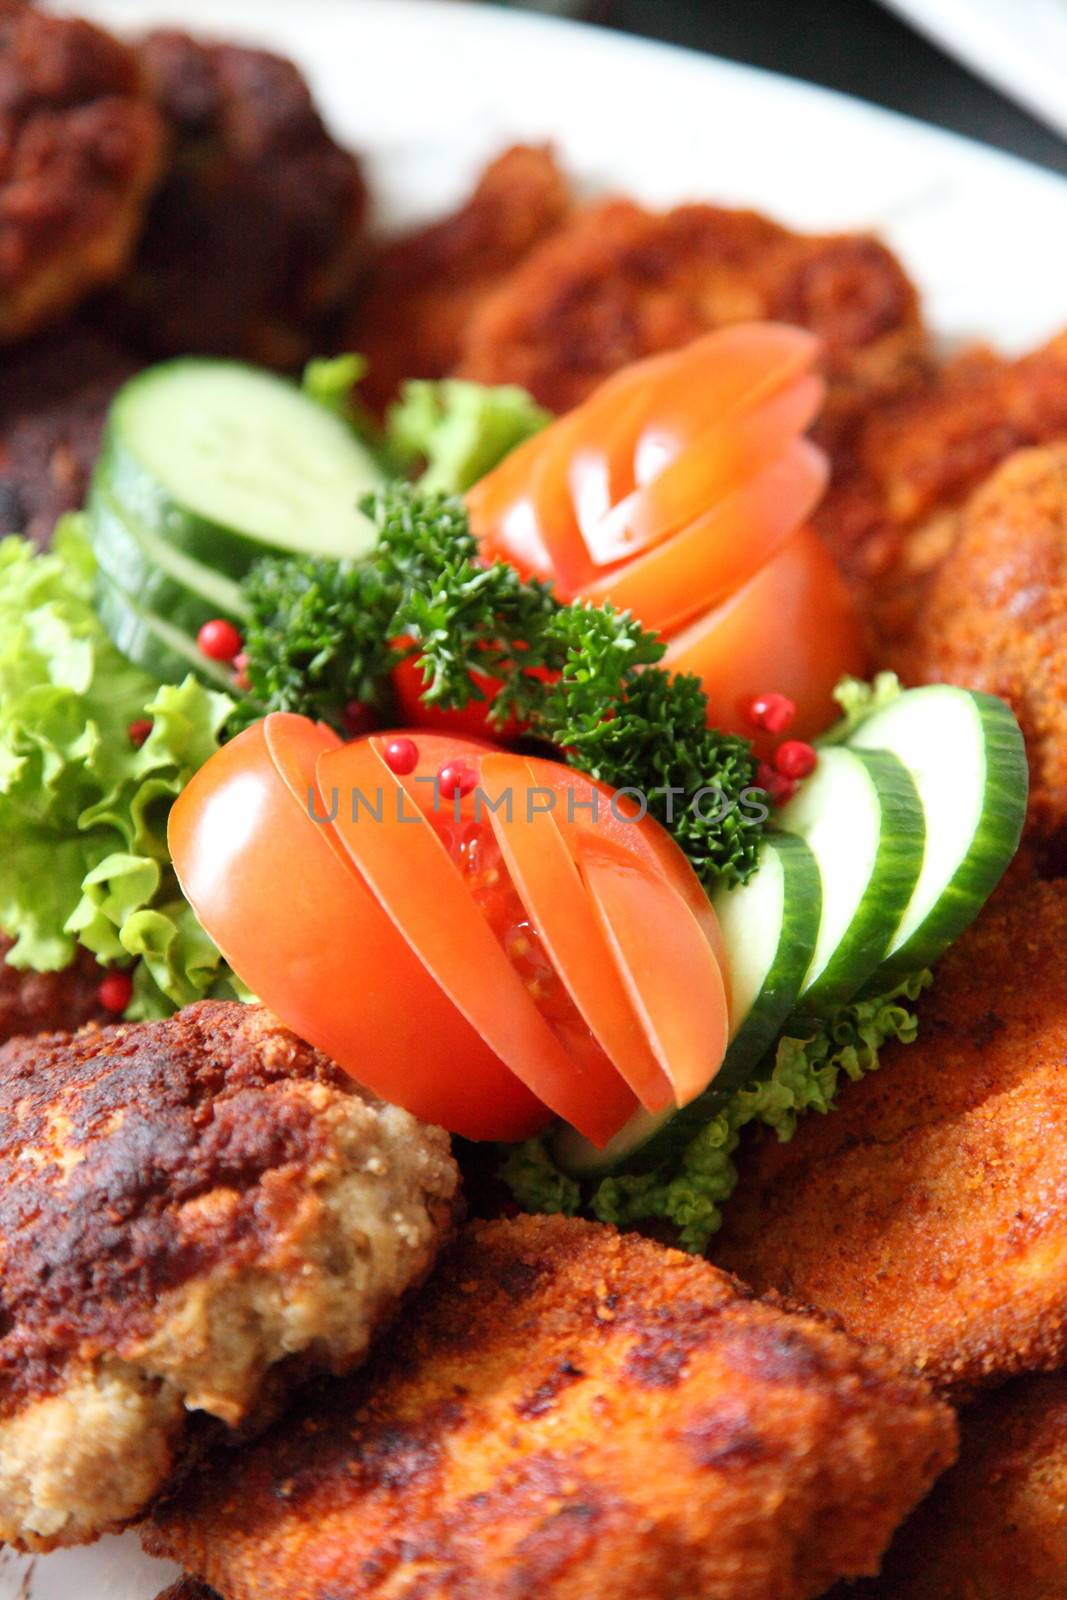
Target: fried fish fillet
{"points": [[80, 149], [571, 1413], [47, 1002], [255, 234], [621, 282], [422, 289], [193, 1213], [929, 1212], [993, 616], [995, 1527]]}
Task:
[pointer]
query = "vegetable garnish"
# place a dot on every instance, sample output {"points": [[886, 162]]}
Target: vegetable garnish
{"points": [[583, 678], [493, 902]]}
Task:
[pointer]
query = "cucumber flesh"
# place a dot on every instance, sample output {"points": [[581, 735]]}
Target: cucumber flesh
{"points": [[769, 927], [158, 574], [153, 643], [244, 451], [861, 816], [966, 757]]}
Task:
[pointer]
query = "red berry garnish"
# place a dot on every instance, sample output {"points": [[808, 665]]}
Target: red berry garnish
{"points": [[796, 759], [773, 713], [138, 732], [115, 992], [401, 756], [219, 640], [358, 718], [241, 679], [779, 788], [456, 778]]}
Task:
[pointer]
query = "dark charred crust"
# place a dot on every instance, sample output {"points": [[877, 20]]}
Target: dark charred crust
{"points": [[45, 1002], [106, 1137]]}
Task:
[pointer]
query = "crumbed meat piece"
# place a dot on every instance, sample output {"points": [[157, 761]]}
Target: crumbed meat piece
{"points": [[47, 1002], [993, 616], [193, 1213], [54, 396], [255, 235], [995, 1527], [80, 149], [571, 1413], [621, 282], [929, 1212], [421, 290], [188, 1589], [910, 463]]}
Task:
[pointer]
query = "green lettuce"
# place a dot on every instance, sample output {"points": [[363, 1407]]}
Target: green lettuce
{"points": [[458, 431], [810, 1061], [83, 810]]}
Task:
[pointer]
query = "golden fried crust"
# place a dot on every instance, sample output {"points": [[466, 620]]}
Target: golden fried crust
{"points": [[42, 1002], [911, 461], [80, 149], [193, 1214], [255, 235], [993, 616], [188, 1589], [930, 1211], [995, 1527], [620, 283], [54, 395], [420, 290], [571, 1413]]}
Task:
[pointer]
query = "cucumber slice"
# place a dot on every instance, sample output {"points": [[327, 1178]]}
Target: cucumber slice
{"points": [[860, 813], [228, 463], [769, 926], [966, 756], [152, 642], [156, 573]]}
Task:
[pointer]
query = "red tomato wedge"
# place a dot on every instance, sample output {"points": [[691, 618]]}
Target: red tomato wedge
{"points": [[673, 978], [407, 867], [793, 629], [721, 460], [543, 871], [280, 899], [699, 566]]}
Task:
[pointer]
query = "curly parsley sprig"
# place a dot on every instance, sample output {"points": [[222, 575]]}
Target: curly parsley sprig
{"points": [[325, 634]]}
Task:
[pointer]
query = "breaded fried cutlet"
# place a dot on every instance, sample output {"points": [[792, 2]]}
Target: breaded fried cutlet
{"points": [[995, 1527], [255, 234], [421, 290], [910, 463], [570, 1413], [620, 282], [47, 1002], [188, 1589], [193, 1214], [993, 616], [80, 149], [929, 1212], [54, 396]]}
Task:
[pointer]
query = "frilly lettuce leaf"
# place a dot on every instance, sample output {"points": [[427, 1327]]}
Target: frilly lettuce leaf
{"points": [[458, 430], [83, 811], [806, 1073], [858, 701]]}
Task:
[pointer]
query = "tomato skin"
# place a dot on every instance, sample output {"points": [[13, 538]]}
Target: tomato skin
{"points": [[277, 894], [792, 629], [470, 722]]}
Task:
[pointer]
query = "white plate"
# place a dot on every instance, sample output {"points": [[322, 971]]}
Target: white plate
{"points": [[1020, 45], [428, 90]]}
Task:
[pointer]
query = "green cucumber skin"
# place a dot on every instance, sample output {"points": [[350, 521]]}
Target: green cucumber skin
{"points": [[993, 847], [893, 878], [135, 634], [777, 998], [123, 553], [662, 1138]]}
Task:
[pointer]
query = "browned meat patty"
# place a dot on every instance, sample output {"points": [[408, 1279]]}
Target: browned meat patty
{"points": [[54, 396], [571, 1413], [930, 1211], [255, 234], [47, 1002], [80, 149], [193, 1213], [421, 290]]}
